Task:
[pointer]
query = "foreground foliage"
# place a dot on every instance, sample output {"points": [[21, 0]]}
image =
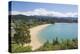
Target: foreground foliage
{"points": [[18, 48], [22, 34], [59, 45]]}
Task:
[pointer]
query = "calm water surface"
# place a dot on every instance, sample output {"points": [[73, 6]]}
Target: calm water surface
{"points": [[59, 30]]}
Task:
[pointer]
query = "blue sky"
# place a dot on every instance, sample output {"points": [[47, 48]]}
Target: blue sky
{"points": [[26, 6], [29, 6]]}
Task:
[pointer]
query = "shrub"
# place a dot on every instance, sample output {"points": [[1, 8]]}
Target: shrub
{"points": [[17, 48]]}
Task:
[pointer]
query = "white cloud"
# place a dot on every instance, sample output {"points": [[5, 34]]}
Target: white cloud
{"points": [[44, 12], [72, 14], [15, 12]]}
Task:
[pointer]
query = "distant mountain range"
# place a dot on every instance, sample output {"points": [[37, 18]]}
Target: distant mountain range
{"points": [[45, 12], [45, 18]]}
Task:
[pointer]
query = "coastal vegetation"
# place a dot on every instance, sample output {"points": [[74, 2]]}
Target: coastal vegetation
{"points": [[21, 25], [59, 45], [16, 48], [48, 46]]}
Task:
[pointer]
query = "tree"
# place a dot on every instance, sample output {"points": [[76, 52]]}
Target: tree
{"points": [[22, 34], [55, 41], [46, 43]]}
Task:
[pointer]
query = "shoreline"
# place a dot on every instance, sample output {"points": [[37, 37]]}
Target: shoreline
{"points": [[35, 42]]}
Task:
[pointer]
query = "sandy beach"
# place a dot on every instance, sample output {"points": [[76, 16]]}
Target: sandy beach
{"points": [[35, 43]]}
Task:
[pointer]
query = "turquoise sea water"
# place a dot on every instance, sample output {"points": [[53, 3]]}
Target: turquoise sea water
{"points": [[59, 30]]}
